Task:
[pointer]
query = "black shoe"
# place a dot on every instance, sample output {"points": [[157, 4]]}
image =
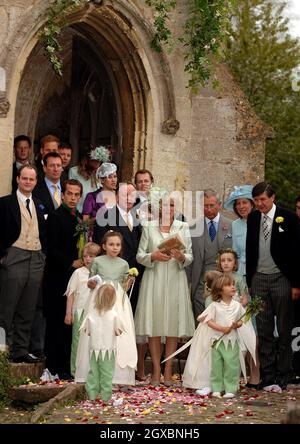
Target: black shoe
{"points": [[65, 377], [27, 359], [252, 386], [39, 354]]}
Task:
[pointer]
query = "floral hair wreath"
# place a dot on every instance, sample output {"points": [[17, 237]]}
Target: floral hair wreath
{"points": [[100, 153]]}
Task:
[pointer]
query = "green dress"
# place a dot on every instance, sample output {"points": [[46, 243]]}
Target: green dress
{"points": [[164, 305], [110, 269]]}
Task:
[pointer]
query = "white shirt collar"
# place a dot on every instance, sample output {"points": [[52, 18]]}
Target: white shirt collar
{"points": [[215, 220], [271, 213], [22, 197], [124, 214]]}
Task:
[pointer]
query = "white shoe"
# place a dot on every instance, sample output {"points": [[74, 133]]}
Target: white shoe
{"points": [[216, 395], [229, 395], [203, 392]]}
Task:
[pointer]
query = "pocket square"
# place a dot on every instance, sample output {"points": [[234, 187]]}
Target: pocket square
{"points": [[228, 236], [281, 230]]}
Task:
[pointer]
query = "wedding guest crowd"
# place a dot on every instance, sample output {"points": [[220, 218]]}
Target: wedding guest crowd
{"points": [[56, 209]]}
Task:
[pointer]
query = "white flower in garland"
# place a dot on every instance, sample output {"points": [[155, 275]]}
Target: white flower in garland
{"points": [[100, 153]]}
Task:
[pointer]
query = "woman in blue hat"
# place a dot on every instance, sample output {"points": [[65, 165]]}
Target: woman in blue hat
{"points": [[240, 201]]}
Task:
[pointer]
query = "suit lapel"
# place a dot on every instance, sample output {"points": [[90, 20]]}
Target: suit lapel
{"points": [[15, 209]]}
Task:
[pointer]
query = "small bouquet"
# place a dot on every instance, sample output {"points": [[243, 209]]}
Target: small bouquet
{"points": [[128, 279], [253, 308], [82, 230]]}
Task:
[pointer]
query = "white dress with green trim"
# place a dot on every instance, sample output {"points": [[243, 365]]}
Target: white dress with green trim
{"points": [[198, 365]]}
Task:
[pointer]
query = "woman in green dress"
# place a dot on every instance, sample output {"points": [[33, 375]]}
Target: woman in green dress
{"points": [[164, 306]]}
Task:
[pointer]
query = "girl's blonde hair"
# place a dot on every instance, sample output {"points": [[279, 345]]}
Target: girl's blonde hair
{"points": [[209, 278], [92, 249], [105, 298], [227, 251], [219, 283]]}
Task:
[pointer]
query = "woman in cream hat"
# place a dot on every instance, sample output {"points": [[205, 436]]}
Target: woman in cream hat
{"points": [[241, 203]]}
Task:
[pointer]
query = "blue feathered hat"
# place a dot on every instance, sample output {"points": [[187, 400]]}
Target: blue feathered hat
{"points": [[239, 192]]}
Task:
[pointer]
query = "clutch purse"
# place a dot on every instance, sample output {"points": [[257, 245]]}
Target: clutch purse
{"points": [[170, 243]]}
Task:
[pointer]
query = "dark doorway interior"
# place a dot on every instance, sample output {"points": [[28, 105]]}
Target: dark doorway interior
{"points": [[84, 112]]}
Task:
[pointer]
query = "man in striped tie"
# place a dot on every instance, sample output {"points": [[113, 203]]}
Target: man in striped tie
{"points": [[272, 259]]}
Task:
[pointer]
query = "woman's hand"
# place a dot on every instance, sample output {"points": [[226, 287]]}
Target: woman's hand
{"points": [[159, 256], [92, 284], [178, 255], [227, 330]]}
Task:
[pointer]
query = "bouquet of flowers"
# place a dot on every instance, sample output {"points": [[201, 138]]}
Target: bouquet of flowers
{"points": [[82, 230], [253, 308], [129, 279]]}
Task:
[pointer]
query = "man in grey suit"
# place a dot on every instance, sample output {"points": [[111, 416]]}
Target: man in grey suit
{"points": [[216, 236]]}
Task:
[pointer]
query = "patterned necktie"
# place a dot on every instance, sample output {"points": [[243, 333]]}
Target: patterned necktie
{"points": [[128, 221], [212, 230], [56, 196], [265, 227], [28, 207]]}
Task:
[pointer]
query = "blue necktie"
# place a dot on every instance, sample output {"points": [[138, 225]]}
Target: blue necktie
{"points": [[212, 230]]}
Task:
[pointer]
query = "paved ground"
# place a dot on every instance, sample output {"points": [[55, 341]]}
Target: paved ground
{"points": [[160, 405]]}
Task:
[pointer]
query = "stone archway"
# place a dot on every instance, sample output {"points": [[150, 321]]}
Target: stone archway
{"points": [[114, 36]]}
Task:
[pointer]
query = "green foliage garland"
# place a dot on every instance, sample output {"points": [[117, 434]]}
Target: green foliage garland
{"points": [[202, 35], [57, 13]]}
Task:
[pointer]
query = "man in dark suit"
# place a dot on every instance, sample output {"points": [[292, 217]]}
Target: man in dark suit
{"points": [[48, 189], [22, 246], [48, 144], [22, 150], [272, 268], [120, 218], [62, 260]]}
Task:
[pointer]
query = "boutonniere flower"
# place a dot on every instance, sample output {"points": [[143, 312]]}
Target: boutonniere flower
{"points": [[279, 220], [41, 207], [225, 227]]}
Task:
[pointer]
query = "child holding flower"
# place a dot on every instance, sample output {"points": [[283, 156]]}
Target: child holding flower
{"points": [[214, 368]]}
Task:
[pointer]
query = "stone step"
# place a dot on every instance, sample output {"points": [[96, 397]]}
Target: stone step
{"points": [[23, 370]]}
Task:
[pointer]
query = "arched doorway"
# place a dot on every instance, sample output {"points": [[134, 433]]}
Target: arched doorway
{"points": [[102, 98], [110, 73]]}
